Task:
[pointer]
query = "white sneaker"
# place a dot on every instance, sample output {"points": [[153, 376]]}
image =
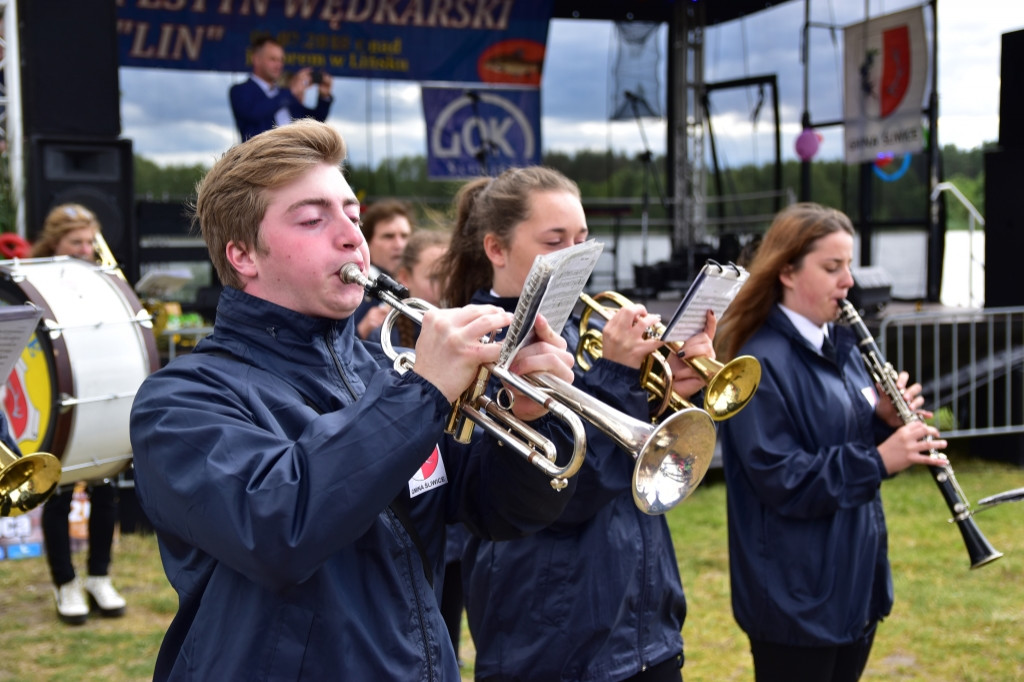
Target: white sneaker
{"points": [[71, 605], [103, 596]]}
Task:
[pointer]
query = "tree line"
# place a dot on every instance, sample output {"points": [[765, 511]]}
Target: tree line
{"points": [[620, 179]]}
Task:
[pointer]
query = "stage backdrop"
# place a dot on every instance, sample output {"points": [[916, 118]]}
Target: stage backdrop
{"points": [[480, 132], [468, 41]]}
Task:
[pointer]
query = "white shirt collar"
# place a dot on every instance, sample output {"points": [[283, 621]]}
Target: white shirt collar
{"points": [[266, 87], [814, 334], [282, 116]]}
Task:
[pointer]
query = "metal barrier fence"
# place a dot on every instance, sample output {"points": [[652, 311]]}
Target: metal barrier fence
{"points": [[970, 363]]}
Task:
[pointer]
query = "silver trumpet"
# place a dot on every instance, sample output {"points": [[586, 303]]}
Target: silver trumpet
{"points": [[473, 407], [671, 457]]}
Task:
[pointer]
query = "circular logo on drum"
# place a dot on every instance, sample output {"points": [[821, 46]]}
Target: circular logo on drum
{"points": [[28, 398]]}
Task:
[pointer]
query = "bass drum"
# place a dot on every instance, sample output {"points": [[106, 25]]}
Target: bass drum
{"points": [[71, 391]]}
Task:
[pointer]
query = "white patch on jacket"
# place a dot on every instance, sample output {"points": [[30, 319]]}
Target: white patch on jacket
{"points": [[429, 476]]}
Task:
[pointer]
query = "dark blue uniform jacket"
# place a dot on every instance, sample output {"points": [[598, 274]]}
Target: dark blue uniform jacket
{"points": [[269, 486], [254, 112], [597, 595], [807, 539]]}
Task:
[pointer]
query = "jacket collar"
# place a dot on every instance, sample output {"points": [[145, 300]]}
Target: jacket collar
{"points": [[259, 325], [780, 322], [842, 338]]}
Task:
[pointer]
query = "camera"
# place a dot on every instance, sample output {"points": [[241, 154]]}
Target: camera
{"points": [[318, 77]]}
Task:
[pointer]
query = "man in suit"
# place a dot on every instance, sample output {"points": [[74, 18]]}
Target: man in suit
{"points": [[259, 104]]}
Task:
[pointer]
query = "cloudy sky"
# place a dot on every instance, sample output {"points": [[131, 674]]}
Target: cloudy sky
{"points": [[183, 117]]}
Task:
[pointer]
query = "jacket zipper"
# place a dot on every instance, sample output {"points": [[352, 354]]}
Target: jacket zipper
{"points": [[338, 366], [645, 577], [411, 565], [395, 523]]}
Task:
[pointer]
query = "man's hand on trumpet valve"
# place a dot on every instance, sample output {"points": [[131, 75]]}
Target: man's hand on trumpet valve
{"points": [[449, 350], [547, 354], [685, 380]]}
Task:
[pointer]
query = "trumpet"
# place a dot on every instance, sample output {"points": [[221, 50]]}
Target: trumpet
{"points": [[729, 387], [26, 481], [671, 458], [473, 407]]}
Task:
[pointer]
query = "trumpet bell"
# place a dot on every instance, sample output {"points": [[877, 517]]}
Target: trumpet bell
{"points": [[27, 481], [731, 387], [673, 460], [728, 388]]}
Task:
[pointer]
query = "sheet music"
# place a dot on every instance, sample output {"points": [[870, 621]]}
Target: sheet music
{"points": [[552, 289], [16, 326], [714, 288]]}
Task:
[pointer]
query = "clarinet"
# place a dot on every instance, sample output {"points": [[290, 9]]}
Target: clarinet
{"points": [[978, 548]]}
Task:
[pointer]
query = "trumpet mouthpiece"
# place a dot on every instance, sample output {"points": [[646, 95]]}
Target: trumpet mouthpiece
{"points": [[351, 273]]}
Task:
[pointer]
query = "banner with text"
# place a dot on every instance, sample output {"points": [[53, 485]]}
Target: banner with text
{"points": [[486, 41], [886, 73], [480, 132]]}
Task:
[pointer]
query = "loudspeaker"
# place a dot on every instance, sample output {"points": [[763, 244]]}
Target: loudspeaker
{"points": [[1011, 91], [1004, 228], [69, 81], [872, 289], [95, 173]]}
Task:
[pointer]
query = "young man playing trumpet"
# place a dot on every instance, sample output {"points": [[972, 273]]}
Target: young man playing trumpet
{"points": [[298, 485]]}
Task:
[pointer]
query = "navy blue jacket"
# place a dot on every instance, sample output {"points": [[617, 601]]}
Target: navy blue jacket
{"points": [[5, 434], [254, 111], [267, 460], [597, 595], [807, 538]]}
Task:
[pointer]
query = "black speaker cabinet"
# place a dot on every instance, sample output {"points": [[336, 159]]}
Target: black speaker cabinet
{"points": [[69, 82], [94, 173], [1011, 91], [872, 289], [1004, 228]]}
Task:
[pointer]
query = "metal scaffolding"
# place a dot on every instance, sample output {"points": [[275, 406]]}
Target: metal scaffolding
{"points": [[11, 128]]}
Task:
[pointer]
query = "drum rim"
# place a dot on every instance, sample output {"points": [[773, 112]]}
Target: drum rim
{"points": [[128, 294], [20, 289], [58, 432]]}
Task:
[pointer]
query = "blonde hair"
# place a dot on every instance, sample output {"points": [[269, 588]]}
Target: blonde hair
{"points": [[232, 198], [60, 221]]}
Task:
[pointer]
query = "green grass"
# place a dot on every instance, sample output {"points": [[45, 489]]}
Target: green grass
{"points": [[38, 647], [949, 624]]}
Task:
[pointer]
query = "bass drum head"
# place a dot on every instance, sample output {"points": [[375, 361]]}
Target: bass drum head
{"points": [[71, 390]]}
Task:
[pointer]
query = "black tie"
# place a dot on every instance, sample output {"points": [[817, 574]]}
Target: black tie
{"points": [[828, 350]]}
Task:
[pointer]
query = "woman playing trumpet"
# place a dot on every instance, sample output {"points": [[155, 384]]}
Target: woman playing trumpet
{"points": [[597, 595]]}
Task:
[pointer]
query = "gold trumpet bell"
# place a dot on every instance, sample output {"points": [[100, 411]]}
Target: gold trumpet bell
{"points": [[729, 387], [27, 481], [673, 460]]}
